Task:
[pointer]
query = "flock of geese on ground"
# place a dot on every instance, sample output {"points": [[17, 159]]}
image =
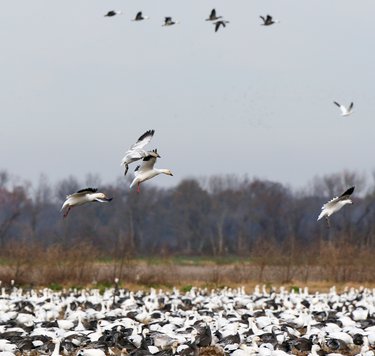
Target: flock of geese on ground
{"points": [[198, 322], [218, 21], [146, 171]]}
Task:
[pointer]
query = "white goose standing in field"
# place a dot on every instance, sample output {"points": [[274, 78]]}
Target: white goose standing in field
{"points": [[83, 196], [147, 171], [344, 110], [136, 151], [336, 204]]}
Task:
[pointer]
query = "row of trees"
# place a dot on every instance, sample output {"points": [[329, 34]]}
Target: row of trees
{"points": [[213, 216]]}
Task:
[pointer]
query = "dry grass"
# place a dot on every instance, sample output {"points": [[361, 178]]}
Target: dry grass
{"points": [[30, 264]]}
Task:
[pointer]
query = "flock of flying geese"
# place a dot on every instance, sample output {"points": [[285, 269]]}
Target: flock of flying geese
{"points": [[142, 172], [218, 21], [146, 171]]}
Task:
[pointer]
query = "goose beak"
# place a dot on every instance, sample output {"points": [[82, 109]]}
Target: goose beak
{"points": [[105, 200]]}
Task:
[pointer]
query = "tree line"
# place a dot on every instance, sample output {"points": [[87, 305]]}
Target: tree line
{"points": [[213, 216]]}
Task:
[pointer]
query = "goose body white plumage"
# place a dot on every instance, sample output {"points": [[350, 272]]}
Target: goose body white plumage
{"points": [[336, 204], [83, 196], [345, 111], [136, 151], [332, 207], [147, 171]]}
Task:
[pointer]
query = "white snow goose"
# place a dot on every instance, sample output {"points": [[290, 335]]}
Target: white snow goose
{"points": [[147, 171], [336, 204], [136, 151], [220, 23], [344, 110], [268, 21], [213, 16], [112, 13], [83, 196], [140, 17]]}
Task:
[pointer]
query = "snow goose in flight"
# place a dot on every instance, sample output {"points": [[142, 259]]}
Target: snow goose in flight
{"points": [[336, 204], [268, 21], [169, 22], [213, 16], [344, 110], [147, 171], [220, 23], [140, 17], [113, 13], [83, 196], [136, 151]]}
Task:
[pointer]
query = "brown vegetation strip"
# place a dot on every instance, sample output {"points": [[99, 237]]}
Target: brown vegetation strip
{"points": [[59, 266]]}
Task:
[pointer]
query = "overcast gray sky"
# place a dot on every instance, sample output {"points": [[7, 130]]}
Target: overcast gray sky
{"points": [[77, 89]]}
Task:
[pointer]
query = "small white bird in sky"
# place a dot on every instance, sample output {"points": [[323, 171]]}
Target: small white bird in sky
{"points": [[336, 204], [147, 171], [83, 196], [113, 13], [136, 151], [344, 110]]}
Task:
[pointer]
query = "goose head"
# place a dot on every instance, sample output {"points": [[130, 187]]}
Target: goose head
{"points": [[154, 153], [100, 197], [167, 172]]}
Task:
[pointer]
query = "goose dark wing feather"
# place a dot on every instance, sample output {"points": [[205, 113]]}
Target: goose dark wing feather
{"points": [[88, 190], [147, 133], [347, 192]]}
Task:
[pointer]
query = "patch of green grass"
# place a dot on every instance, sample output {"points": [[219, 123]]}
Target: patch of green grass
{"points": [[102, 286], [193, 260], [186, 288], [55, 287], [294, 288], [179, 260], [4, 261]]}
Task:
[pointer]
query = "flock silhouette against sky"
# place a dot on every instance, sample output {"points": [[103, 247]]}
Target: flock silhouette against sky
{"points": [[217, 20]]}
